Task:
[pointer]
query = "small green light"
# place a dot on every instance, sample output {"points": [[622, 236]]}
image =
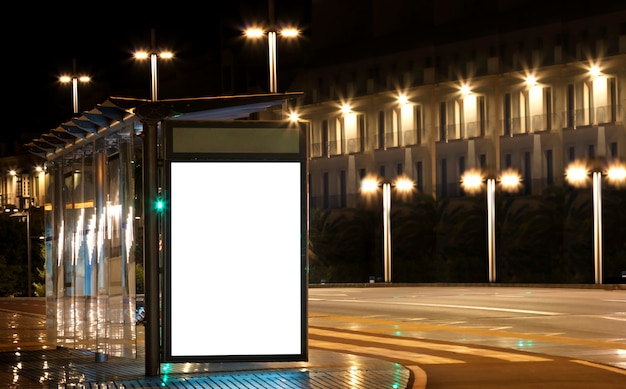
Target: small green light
{"points": [[159, 205]]}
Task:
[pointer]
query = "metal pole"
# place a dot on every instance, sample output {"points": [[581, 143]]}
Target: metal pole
{"points": [[387, 231], [151, 261], [491, 227], [74, 87], [75, 94], [271, 43], [151, 114], [153, 65], [271, 40], [597, 225], [30, 292]]}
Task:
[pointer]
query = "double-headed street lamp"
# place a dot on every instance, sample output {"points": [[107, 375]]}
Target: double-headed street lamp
{"points": [[577, 174], [472, 182], [256, 33], [153, 55], [150, 114], [371, 185], [74, 78]]}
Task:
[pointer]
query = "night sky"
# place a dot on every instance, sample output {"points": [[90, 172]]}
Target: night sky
{"points": [[41, 42]]}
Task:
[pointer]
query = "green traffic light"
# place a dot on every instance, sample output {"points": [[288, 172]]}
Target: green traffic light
{"points": [[159, 205]]}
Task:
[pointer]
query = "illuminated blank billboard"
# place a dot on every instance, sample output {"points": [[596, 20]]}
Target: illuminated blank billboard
{"points": [[235, 274]]}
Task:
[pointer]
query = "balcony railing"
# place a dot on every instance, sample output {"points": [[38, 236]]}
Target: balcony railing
{"points": [[590, 116]]}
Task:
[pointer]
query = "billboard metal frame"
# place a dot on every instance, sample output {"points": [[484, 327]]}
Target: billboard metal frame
{"points": [[211, 145]]}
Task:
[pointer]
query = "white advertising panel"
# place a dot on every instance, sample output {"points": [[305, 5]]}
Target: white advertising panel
{"points": [[235, 258], [233, 241]]}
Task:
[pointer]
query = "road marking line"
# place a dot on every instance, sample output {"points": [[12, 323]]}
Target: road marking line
{"points": [[597, 365], [390, 354], [506, 356], [414, 326], [478, 308]]}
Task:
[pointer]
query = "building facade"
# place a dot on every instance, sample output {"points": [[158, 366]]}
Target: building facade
{"points": [[533, 99]]}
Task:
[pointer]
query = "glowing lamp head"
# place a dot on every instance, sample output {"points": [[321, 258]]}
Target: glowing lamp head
{"points": [[369, 185], [577, 175]]}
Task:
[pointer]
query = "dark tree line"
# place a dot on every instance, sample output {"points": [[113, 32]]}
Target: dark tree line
{"points": [[14, 254], [543, 238]]}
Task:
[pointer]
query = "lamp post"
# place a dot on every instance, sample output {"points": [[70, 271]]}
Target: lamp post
{"points": [[74, 78], [371, 185], [153, 55], [257, 32], [151, 114], [577, 174], [472, 182], [24, 214]]}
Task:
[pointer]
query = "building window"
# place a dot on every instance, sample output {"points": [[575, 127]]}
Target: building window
{"points": [[325, 191], [571, 110], [507, 115], [342, 189], [507, 161], [361, 131], [381, 129], [613, 149], [547, 102], [527, 173], [418, 124], [361, 174], [399, 169], [572, 153], [482, 160], [613, 98], [482, 115], [444, 178], [420, 176], [591, 151], [442, 122], [549, 167], [381, 171], [324, 138]]}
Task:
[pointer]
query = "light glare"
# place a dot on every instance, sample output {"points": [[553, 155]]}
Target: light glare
{"points": [[594, 71], [369, 185], [289, 32], [141, 55], [617, 175], [576, 175], [404, 184], [254, 32], [293, 116], [472, 181], [510, 180]]}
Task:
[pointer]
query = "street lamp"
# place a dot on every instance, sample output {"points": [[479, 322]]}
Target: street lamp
{"points": [[257, 32], [472, 182], [577, 174], [153, 55], [370, 185], [74, 78]]}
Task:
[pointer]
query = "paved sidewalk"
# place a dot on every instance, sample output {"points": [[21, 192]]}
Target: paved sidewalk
{"points": [[26, 363]]}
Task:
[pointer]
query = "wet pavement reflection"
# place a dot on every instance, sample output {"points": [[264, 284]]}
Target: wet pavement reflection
{"points": [[28, 361]]}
